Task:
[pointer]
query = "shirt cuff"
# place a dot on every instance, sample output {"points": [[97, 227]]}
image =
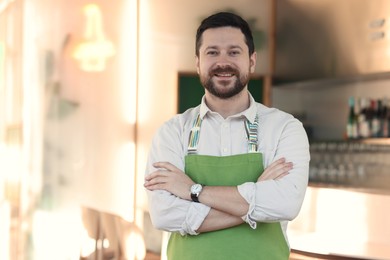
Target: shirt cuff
{"points": [[247, 191], [194, 218]]}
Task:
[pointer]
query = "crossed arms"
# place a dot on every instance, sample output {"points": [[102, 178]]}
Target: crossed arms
{"points": [[226, 203]]}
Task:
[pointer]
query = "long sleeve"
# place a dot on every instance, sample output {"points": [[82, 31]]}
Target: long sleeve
{"points": [[280, 135], [279, 200], [167, 211]]}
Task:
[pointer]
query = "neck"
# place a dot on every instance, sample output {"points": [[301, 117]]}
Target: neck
{"points": [[230, 106]]}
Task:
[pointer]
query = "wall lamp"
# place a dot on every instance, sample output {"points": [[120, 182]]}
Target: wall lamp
{"points": [[93, 52]]}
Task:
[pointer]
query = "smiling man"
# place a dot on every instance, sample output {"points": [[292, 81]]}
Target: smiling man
{"points": [[226, 176]]}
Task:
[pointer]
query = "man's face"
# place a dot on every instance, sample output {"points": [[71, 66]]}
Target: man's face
{"points": [[224, 64]]}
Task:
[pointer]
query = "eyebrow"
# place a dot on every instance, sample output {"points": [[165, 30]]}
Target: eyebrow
{"points": [[230, 47], [235, 46]]}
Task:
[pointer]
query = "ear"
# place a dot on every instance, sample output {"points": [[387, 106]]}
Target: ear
{"points": [[252, 61], [197, 64]]}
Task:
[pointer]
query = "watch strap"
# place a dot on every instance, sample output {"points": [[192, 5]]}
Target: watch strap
{"points": [[195, 197]]}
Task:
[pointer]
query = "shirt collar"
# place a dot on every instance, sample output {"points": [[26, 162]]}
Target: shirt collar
{"points": [[249, 113]]}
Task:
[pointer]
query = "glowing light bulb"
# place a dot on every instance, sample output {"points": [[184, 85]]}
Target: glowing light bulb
{"points": [[93, 52]]}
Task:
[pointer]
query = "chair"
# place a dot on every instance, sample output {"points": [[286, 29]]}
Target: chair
{"points": [[91, 221], [131, 239], [125, 238], [108, 224]]}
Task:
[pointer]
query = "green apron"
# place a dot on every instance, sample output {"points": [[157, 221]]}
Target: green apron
{"points": [[237, 243]]}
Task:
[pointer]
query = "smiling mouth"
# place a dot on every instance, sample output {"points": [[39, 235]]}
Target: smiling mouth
{"points": [[224, 75]]}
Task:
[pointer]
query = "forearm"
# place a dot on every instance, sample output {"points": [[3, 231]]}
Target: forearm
{"points": [[217, 220], [224, 198], [274, 200], [173, 214]]}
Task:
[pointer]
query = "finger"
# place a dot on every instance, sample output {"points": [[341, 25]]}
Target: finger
{"points": [[151, 176], [274, 167], [155, 181], [158, 173], [276, 171], [281, 175], [283, 168], [165, 165], [277, 162], [158, 186]]}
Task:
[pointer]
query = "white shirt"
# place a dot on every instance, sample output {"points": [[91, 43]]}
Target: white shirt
{"points": [[279, 134]]}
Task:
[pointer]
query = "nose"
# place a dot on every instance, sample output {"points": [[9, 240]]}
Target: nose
{"points": [[223, 60], [222, 63]]}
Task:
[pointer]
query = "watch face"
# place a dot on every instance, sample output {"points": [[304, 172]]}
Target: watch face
{"points": [[196, 188]]}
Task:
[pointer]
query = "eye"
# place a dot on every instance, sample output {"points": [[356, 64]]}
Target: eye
{"points": [[234, 52], [212, 53]]}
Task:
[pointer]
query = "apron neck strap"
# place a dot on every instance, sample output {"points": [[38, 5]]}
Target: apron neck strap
{"points": [[251, 132], [194, 136]]}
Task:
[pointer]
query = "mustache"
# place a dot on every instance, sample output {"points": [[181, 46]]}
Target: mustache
{"points": [[225, 69]]}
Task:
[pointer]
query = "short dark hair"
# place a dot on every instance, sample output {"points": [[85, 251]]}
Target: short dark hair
{"points": [[223, 19]]}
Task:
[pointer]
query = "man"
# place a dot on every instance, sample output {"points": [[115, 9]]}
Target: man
{"points": [[205, 174]]}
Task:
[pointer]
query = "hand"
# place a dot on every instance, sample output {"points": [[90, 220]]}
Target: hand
{"points": [[169, 178], [276, 170]]}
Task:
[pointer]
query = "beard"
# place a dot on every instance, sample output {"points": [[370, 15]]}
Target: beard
{"points": [[224, 91]]}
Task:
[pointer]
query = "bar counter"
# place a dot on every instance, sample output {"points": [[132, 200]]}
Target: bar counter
{"points": [[342, 224]]}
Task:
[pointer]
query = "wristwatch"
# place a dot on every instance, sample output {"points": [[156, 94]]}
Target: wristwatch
{"points": [[196, 189]]}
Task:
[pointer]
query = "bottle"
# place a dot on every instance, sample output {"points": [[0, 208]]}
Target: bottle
{"points": [[385, 114], [375, 117], [385, 118], [357, 112], [382, 117], [363, 124], [352, 120]]}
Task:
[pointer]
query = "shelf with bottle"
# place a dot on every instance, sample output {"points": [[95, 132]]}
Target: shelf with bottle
{"points": [[368, 118], [363, 165]]}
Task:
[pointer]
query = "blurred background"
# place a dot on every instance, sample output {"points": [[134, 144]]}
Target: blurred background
{"points": [[85, 85]]}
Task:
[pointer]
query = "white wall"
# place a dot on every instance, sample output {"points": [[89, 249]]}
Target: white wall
{"points": [[89, 138], [83, 159]]}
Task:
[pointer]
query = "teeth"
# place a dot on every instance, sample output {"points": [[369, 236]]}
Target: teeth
{"points": [[225, 75]]}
